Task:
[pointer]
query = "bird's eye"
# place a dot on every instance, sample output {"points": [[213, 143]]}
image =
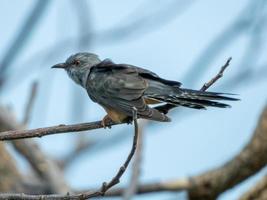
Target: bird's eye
{"points": [[76, 62]]}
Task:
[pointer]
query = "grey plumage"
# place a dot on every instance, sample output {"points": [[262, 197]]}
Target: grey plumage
{"points": [[122, 87]]}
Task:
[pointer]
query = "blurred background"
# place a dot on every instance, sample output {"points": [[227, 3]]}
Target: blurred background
{"points": [[183, 40]]}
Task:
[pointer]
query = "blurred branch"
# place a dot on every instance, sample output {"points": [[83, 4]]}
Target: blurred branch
{"points": [[258, 191], [136, 166], [138, 26], [242, 23], [22, 37], [82, 145], [11, 179], [30, 103], [247, 77], [88, 194], [209, 185], [42, 165], [248, 162], [84, 21]]}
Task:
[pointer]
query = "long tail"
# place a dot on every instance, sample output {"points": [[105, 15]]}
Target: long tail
{"points": [[195, 99]]}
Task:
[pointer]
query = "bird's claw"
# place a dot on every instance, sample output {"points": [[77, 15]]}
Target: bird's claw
{"points": [[105, 122]]}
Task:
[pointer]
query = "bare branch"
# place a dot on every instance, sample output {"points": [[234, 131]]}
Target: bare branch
{"points": [[23, 35], [218, 76], [44, 167], [245, 164], [88, 194], [134, 180], [40, 132], [167, 107], [81, 147], [10, 177], [30, 103]]}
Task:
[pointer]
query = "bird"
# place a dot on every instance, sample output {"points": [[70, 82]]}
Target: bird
{"points": [[120, 88]]}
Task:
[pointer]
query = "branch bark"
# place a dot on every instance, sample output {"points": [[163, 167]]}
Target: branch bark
{"points": [[40, 132], [248, 162], [259, 191], [88, 194]]}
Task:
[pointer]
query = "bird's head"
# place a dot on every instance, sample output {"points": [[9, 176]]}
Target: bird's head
{"points": [[78, 66]]}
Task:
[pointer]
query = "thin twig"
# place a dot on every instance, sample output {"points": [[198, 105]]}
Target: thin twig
{"points": [[116, 179], [88, 194], [218, 76], [30, 103], [134, 180], [167, 107]]}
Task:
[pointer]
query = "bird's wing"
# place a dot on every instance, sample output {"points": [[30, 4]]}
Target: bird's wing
{"points": [[122, 88], [144, 73]]}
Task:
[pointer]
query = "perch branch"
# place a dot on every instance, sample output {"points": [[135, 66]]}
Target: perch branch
{"points": [[40, 132], [88, 194]]}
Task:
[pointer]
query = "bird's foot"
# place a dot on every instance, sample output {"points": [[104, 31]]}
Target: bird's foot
{"points": [[106, 121], [128, 120]]}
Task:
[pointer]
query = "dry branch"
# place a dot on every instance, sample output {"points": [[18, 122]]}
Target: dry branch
{"points": [[209, 185], [22, 36], [217, 77], [259, 191], [30, 103], [44, 167], [40, 132], [88, 194]]}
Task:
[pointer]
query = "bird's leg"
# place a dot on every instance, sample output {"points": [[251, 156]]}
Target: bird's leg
{"points": [[105, 121]]}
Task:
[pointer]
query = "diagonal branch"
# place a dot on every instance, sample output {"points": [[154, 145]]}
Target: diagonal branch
{"points": [[44, 167], [258, 191], [22, 37], [217, 77], [30, 103], [167, 107]]}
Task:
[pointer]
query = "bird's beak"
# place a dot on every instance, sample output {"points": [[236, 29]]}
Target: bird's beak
{"points": [[60, 65]]}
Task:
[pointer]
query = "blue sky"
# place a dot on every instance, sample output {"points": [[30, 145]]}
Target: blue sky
{"points": [[169, 45]]}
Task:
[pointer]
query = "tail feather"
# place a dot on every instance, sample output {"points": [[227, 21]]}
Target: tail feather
{"points": [[195, 99], [209, 95]]}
